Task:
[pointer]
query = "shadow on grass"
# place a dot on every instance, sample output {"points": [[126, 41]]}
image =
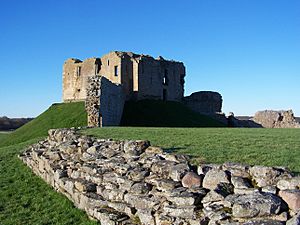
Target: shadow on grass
{"points": [[174, 149]]}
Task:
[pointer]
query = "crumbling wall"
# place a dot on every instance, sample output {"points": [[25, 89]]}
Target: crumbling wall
{"points": [[157, 75], [204, 102], [131, 182], [276, 119], [109, 62], [104, 103], [75, 78], [92, 102]]}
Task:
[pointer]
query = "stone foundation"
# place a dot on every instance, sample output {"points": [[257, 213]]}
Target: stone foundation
{"points": [[131, 182]]}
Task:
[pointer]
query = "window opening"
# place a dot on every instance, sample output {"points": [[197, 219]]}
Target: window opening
{"points": [[116, 71], [165, 78], [78, 71]]}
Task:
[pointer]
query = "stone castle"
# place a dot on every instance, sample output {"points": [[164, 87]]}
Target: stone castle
{"points": [[106, 83]]}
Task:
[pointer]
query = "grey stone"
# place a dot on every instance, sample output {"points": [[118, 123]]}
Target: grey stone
{"points": [[191, 179], [264, 176], [84, 186], [140, 201], [214, 177], [256, 205], [295, 220], [240, 182], [269, 189], [110, 217], [178, 171], [162, 167], [182, 199], [140, 188], [263, 222], [289, 183], [135, 147], [145, 216], [180, 211], [248, 191], [236, 169]]}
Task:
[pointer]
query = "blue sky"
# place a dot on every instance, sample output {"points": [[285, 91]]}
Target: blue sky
{"points": [[248, 50]]}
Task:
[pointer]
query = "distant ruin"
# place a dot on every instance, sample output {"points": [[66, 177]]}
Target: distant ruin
{"points": [[106, 83], [266, 119], [276, 119]]}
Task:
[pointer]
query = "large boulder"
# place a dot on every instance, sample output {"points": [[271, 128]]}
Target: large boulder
{"points": [[254, 205]]}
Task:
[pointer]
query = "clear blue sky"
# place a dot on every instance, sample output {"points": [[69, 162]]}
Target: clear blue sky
{"points": [[248, 50]]}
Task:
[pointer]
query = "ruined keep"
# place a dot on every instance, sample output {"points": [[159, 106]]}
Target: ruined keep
{"points": [[106, 83], [141, 76]]}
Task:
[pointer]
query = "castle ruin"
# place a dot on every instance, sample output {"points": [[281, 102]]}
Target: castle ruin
{"points": [[106, 83]]}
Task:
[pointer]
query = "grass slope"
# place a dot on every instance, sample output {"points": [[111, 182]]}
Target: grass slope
{"points": [[3, 135], [27, 199], [57, 116], [24, 197], [272, 147], [155, 113]]}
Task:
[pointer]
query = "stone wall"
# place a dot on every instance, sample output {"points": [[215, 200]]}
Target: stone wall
{"points": [[112, 100], [75, 78], [104, 103], [160, 79], [92, 102], [204, 102], [276, 119], [132, 182]]}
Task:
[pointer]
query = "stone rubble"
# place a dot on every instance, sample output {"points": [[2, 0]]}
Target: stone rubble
{"points": [[131, 182]]}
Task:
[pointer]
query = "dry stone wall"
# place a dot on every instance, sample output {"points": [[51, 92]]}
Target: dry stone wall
{"points": [[132, 182]]}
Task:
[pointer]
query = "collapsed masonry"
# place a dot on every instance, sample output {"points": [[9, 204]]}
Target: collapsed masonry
{"points": [[276, 119], [128, 76], [131, 182], [266, 119]]}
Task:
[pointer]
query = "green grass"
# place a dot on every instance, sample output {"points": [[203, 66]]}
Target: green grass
{"points": [[155, 113], [271, 147], [27, 199], [3, 135], [24, 197], [57, 116]]}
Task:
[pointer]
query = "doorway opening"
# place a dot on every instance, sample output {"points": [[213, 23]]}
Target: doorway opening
{"points": [[164, 94]]}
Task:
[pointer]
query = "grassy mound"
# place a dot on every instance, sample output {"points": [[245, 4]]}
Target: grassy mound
{"points": [[57, 116], [155, 113]]}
